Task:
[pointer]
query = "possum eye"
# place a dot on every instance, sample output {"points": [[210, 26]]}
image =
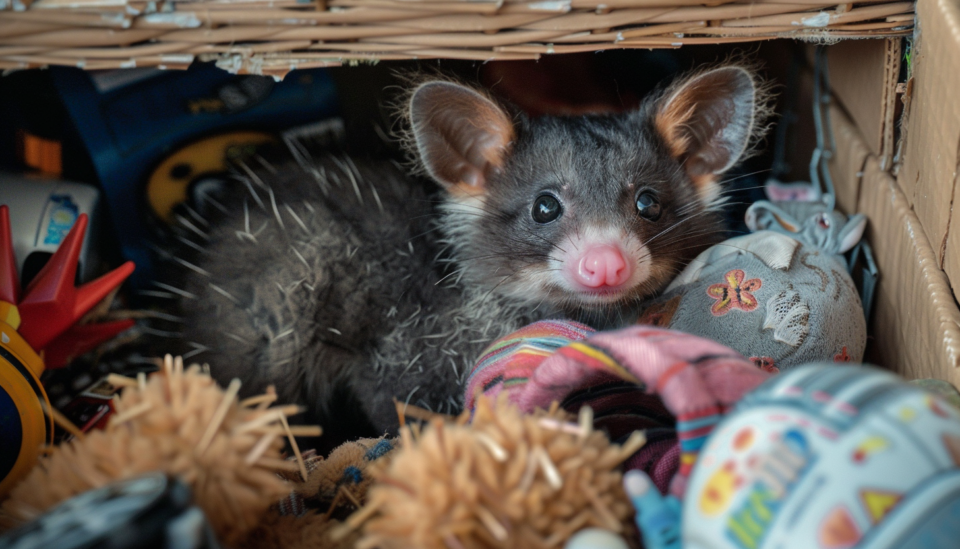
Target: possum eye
{"points": [[546, 209], [648, 206]]}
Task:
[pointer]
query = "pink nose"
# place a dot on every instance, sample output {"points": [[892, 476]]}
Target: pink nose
{"points": [[602, 266]]}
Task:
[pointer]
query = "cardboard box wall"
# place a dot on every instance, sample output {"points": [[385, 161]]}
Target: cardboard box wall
{"points": [[931, 134], [904, 179]]}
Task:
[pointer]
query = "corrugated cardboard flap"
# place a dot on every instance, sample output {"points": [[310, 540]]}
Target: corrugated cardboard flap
{"points": [[916, 323], [931, 132]]}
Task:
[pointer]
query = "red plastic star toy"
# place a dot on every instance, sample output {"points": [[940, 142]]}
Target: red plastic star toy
{"points": [[51, 305]]}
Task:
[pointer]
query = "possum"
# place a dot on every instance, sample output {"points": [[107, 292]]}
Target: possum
{"points": [[349, 286]]}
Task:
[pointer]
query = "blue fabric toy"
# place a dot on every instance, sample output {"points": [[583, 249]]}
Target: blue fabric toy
{"points": [[780, 295]]}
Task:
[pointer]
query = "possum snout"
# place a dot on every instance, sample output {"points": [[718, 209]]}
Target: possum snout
{"points": [[600, 266], [603, 265]]}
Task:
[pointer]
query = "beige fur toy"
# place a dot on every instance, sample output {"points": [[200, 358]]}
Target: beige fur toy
{"points": [[345, 470], [180, 422], [338, 482], [504, 480], [310, 531]]}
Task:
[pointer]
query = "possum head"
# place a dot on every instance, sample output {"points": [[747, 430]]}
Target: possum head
{"points": [[587, 212]]}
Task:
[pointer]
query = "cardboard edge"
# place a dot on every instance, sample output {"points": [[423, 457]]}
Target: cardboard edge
{"points": [[950, 252], [891, 73], [930, 132]]}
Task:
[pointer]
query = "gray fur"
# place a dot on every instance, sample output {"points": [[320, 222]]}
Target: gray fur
{"points": [[319, 288], [330, 275]]}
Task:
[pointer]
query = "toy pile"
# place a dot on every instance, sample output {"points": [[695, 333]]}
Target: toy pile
{"points": [[456, 475], [181, 423], [706, 437], [44, 326], [498, 476]]}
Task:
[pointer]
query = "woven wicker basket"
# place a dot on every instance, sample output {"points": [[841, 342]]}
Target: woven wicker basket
{"points": [[275, 36]]}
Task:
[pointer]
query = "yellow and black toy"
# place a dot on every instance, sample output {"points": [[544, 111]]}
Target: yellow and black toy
{"points": [[208, 159], [23, 426], [40, 328]]}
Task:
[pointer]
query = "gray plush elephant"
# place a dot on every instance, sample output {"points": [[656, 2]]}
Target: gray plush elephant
{"points": [[780, 295]]}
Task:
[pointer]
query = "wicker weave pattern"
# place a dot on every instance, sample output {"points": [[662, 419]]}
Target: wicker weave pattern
{"points": [[274, 36]]}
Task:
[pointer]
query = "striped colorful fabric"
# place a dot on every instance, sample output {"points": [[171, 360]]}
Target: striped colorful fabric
{"points": [[509, 361], [695, 378], [597, 359]]}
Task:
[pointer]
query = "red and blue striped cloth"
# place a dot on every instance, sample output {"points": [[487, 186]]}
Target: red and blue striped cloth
{"points": [[676, 386]]}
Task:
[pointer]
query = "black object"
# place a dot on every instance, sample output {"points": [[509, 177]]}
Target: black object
{"points": [[149, 512]]}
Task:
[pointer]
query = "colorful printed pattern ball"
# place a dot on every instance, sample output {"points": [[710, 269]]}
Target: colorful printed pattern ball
{"points": [[831, 458]]}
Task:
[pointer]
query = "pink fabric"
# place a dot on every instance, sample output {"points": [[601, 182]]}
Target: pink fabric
{"points": [[660, 459], [619, 410], [704, 372], [696, 379]]}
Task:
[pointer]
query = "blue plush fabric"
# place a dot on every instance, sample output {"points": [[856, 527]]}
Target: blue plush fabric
{"points": [[781, 295]]}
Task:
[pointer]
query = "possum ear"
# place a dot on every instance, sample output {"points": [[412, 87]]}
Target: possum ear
{"points": [[707, 122], [461, 136]]}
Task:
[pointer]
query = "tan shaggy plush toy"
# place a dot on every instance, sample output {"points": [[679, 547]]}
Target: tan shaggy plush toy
{"points": [[503, 480], [311, 531], [338, 483], [180, 422]]}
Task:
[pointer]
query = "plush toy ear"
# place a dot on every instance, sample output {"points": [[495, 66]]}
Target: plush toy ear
{"points": [[852, 232], [461, 136], [707, 122], [802, 191], [763, 215]]}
